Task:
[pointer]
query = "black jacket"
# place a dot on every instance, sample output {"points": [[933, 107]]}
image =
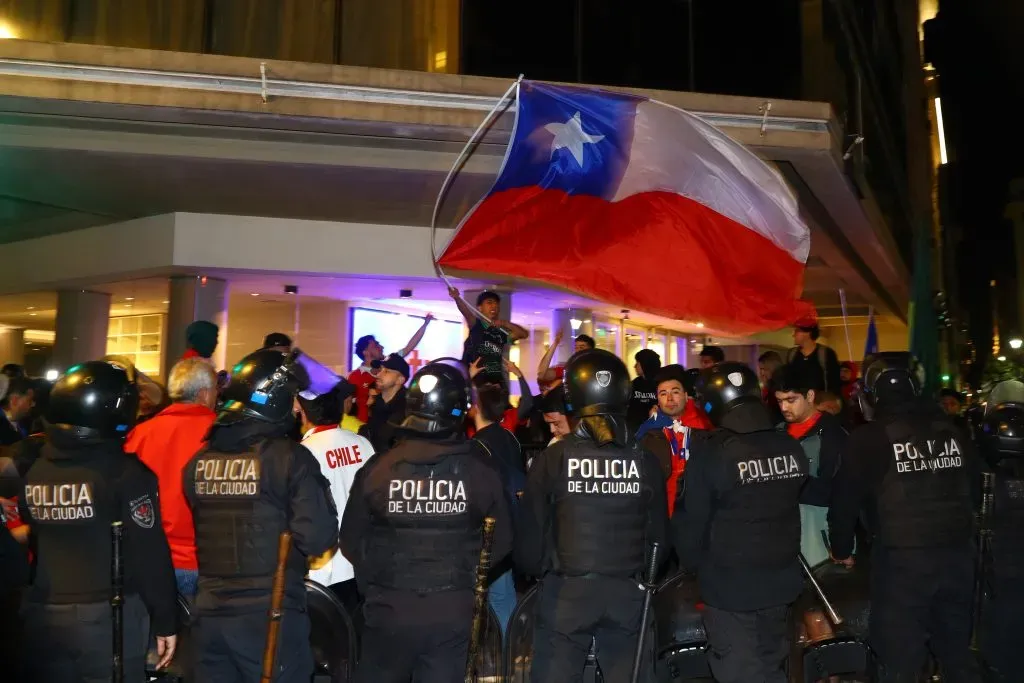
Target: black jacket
{"points": [[707, 480], [290, 480], [373, 484], [866, 460], [535, 539], [379, 428], [73, 492]]}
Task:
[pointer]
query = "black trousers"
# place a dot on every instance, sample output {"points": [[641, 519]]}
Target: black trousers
{"points": [[406, 636], [74, 643], [572, 612], [229, 648], [747, 646], [921, 599]]}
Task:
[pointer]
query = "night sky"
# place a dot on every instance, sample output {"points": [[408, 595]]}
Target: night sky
{"points": [[744, 47], [982, 83]]}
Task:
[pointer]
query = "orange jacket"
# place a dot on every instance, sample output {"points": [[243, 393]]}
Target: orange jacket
{"points": [[165, 443]]}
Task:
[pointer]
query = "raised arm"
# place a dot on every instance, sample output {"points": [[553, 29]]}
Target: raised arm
{"points": [[417, 337], [544, 372]]}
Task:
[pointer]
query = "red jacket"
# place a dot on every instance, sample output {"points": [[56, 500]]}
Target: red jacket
{"points": [[165, 443], [362, 381]]}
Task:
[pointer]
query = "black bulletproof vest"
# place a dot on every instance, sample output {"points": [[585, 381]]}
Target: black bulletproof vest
{"points": [[72, 504], [756, 521], [600, 510], [427, 523], [925, 497], [239, 507], [1008, 530]]}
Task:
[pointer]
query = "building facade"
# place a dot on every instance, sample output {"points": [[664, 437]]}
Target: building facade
{"points": [[167, 161]]}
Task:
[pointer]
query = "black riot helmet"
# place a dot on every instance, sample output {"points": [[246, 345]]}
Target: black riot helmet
{"points": [[596, 383], [1002, 429], [890, 377], [723, 387], [263, 386], [437, 400], [94, 400]]}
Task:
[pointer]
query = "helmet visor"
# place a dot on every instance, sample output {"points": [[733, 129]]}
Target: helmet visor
{"points": [[321, 379]]}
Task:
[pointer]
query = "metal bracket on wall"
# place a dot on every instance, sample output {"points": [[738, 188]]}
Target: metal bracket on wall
{"points": [[263, 81], [764, 109]]}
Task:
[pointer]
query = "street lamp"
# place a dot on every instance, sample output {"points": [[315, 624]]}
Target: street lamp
{"points": [[1016, 343]]}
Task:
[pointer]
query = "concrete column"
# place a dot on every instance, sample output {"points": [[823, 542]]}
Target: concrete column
{"points": [[562, 320], [12, 346], [195, 298], [83, 319]]}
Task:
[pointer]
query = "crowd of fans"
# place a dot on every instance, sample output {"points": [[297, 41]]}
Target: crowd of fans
{"points": [[809, 393]]}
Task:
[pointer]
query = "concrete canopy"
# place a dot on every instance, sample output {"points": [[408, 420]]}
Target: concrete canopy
{"points": [[92, 135]]}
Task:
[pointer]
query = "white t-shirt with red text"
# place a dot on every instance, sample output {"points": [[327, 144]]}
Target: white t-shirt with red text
{"points": [[340, 454]]}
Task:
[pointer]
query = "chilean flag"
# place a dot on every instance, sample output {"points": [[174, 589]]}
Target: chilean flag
{"points": [[629, 201]]}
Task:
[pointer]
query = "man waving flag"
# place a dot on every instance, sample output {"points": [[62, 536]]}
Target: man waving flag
{"points": [[604, 193]]}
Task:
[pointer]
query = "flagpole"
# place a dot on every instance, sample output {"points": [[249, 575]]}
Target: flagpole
{"points": [[846, 323], [456, 167]]}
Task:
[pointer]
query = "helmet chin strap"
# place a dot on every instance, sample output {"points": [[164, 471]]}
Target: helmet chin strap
{"points": [[603, 429]]}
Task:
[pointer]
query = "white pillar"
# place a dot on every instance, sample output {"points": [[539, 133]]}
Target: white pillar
{"points": [[83, 319], [12, 346], [562, 321], [195, 298]]}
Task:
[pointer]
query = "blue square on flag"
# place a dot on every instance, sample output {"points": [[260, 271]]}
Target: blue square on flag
{"points": [[576, 144]]}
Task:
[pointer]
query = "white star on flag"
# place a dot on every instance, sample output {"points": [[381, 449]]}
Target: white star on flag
{"points": [[570, 136]]}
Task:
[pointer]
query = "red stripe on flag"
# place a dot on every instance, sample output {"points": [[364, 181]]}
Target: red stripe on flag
{"points": [[656, 252]]}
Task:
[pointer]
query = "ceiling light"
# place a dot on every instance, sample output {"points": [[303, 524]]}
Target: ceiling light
{"points": [[6, 32], [700, 324], [254, 294], [129, 298], [32, 314], [1001, 359], [165, 302], [31, 308]]}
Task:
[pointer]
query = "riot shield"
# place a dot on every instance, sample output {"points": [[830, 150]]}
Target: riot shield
{"points": [[488, 659], [820, 648], [1002, 620], [679, 631], [518, 652], [331, 635]]}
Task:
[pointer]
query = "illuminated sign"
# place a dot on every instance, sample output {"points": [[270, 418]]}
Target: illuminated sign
{"points": [[444, 338]]}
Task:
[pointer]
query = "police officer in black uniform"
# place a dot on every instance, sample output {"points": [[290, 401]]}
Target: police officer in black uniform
{"points": [[412, 530], [910, 468], [249, 484], [81, 483], [593, 505], [1001, 441], [737, 524]]}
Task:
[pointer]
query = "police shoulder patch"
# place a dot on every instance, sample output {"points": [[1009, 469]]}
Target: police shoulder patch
{"points": [[142, 512]]}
